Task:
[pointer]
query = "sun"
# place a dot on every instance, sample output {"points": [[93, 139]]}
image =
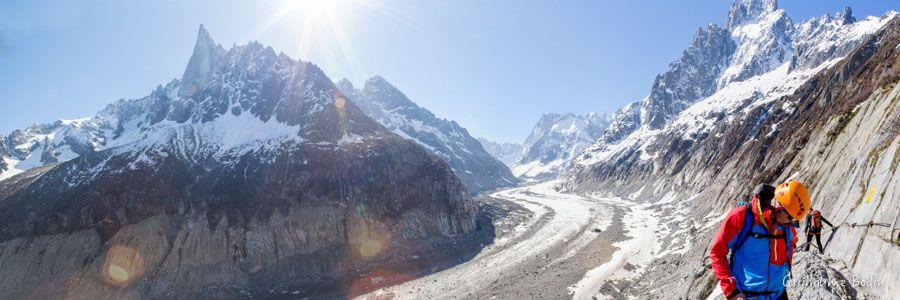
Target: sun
{"points": [[321, 29]]}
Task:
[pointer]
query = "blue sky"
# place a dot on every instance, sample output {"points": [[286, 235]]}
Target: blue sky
{"points": [[493, 66]]}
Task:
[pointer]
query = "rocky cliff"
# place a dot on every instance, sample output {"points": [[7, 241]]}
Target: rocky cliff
{"points": [[252, 176]]}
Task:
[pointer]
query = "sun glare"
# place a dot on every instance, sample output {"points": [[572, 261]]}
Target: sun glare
{"points": [[314, 8], [321, 27]]}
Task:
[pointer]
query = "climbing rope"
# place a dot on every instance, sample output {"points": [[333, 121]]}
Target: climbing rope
{"points": [[870, 224], [833, 230]]}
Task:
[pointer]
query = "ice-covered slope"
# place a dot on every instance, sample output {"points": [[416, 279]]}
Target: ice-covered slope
{"points": [[555, 141], [508, 153], [48, 143], [252, 175], [478, 169]]}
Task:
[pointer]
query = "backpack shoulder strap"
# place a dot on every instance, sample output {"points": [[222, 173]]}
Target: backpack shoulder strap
{"points": [[789, 249], [745, 229], [744, 233]]}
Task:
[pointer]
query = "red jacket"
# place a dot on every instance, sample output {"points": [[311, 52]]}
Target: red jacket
{"points": [[753, 274]]}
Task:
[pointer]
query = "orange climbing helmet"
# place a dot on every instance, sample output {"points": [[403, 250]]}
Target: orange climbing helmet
{"points": [[794, 197]]}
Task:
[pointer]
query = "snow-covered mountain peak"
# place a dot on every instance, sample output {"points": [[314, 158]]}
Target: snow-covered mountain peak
{"points": [[566, 124], [771, 59], [555, 140], [252, 78], [744, 11], [845, 16], [508, 153], [204, 37], [245, 99], [690, 77], [344, 85], [378, 97], [828, 36], [380, 85], [763, 43], [378, 81], [386, 94], [724, 75], [756, 40]]}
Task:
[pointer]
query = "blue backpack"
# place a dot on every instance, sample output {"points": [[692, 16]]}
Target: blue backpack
{"points": [[746, 232]]}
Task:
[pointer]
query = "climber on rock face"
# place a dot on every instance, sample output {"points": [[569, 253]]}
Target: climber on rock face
{"points": [[761, 240], [814, 229]]}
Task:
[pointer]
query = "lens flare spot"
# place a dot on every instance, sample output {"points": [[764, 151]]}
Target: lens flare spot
{"points": [[118, 273], [340, 104], [369, 248], [368, 238], [122, 266]]}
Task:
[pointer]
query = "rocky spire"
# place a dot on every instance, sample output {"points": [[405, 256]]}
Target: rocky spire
{"points": [[742, 11], [344, 85], [206, 54], [692, 77], [385, 93], [845, 16]]}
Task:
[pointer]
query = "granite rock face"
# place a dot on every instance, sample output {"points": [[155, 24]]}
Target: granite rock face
{"points": [[691, 77], [822, 278]]}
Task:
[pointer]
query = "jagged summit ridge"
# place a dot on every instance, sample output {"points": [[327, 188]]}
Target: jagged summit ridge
{"points": [[384, 102], [688, 78], [743, 11], [759, 39], [556, 140], [845, 16], [226, 104], [387, 94], [764, 43]]}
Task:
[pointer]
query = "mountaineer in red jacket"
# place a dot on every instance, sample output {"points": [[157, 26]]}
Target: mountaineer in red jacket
{"points": [[761, 240], [814, 229]]}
